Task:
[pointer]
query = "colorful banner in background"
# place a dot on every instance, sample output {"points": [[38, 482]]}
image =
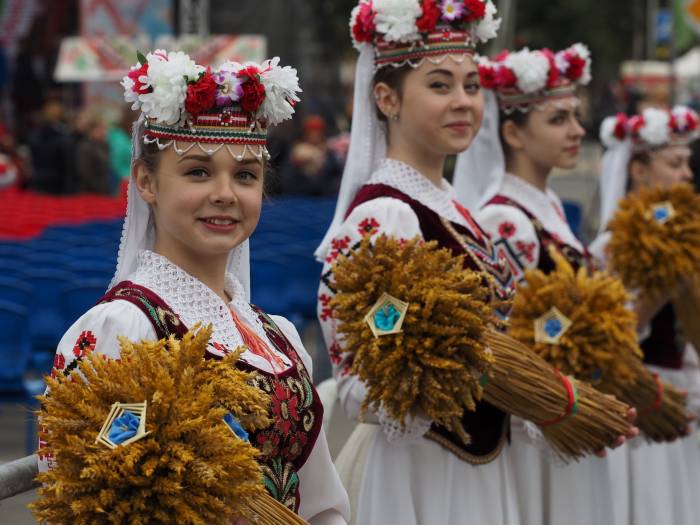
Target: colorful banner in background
{"points": [[127, 17], [15, 19], [686, 15], [108, 59]]}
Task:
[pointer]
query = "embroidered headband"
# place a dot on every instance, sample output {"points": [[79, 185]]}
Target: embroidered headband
{"points": [[235, 104], [653, 128], [410, 31], [525, 79]]}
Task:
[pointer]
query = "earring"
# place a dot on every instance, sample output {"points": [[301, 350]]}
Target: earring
{"points": [[395, 117]]}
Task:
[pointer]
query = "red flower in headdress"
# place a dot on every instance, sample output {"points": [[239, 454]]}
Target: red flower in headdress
{"points": [[475, 10], [253, 90], [138, 86], [505, 77], [431, 14], [363, 28], [488, 76], [553, 70], [201, 96], [620, 130], [577, 65]]}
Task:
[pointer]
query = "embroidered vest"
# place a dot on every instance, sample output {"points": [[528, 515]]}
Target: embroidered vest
{"points": [[295, 409], [662, 347], [487, 425], [576, 258]]}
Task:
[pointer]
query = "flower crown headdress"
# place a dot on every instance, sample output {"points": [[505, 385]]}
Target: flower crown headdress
{"points": [[525, 78], [410, 31], [235, 104], [653, 128]]}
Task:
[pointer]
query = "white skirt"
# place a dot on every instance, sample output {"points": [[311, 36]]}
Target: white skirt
{"points": [[423, 484], [664, 478], [592, 491]]}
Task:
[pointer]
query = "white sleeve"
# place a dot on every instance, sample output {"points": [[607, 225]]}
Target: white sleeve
{"points": [[513, 236], [324, 500], [97, 331], [383, 215]]}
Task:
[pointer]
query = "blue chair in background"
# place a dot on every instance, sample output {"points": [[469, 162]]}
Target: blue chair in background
{"points": [[48, 323], [574, 213], [15, 291], [16, 386], [77, 298]]}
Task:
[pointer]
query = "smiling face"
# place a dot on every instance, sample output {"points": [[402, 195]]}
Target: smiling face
{"points": [[549, 137], [203, 205], [437, 109]]}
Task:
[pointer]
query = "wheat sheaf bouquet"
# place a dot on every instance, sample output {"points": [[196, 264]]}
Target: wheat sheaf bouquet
{"points": [[186, 461], [580, 324], [424, 339], [655, 249]]}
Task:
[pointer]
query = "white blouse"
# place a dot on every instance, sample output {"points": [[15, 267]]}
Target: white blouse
{"points": [[512, 231], [323, 499], [396, 219]]}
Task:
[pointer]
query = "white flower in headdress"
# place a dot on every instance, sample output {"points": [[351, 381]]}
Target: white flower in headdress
{"points": [[655, 130], [396, 19], [168, 75], [489, 26], [608, 136], [130, 95], [531, 68], [281, 88]]}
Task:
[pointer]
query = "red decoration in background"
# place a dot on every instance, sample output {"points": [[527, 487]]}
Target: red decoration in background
{"points": [[24, 214]]}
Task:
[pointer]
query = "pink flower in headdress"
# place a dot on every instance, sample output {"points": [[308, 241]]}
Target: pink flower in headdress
{"points": [[452, 10], [229, 86]]}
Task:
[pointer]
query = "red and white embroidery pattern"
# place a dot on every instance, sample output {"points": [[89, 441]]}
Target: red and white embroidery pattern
{"points": [[368, 226], [527, 250], [86, 343], [506, 229], [326, 311], [337, 247]]}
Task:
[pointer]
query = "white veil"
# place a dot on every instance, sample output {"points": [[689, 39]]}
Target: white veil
{"points": [[367, 145], [613, 180], [138, 232], [481, 168]]}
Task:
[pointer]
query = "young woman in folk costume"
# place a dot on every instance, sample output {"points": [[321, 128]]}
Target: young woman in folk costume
{"points": [[651, 150], [417, 100], [530, 127], [195, 195]]}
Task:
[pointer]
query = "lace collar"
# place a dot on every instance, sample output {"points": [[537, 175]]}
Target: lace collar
{"points": [[194, 302], [546, 206], [440, 199]]}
